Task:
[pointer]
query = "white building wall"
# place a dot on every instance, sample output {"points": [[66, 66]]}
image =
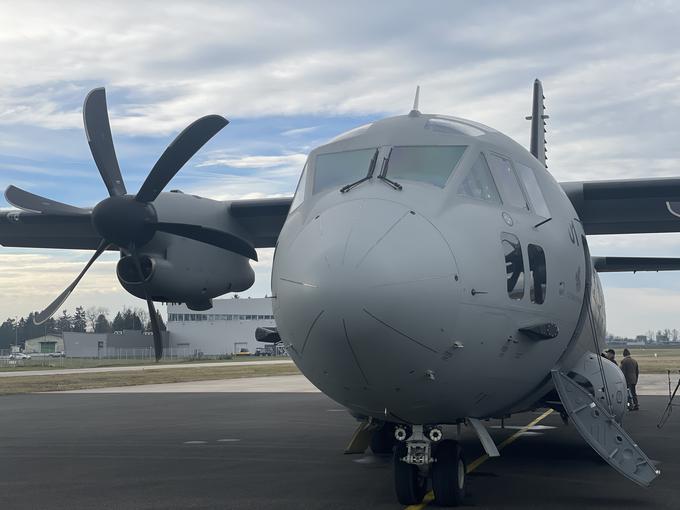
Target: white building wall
{"points": [[225, 329]]}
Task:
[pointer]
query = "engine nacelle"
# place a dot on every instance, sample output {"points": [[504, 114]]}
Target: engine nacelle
{"points": [[191, 273], [180, 270]]}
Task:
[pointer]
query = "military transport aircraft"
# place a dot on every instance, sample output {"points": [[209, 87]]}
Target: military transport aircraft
{"points": [[428, 271]]}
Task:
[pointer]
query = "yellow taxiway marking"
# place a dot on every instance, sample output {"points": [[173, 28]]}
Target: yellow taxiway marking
{"points": [[429, 497]]}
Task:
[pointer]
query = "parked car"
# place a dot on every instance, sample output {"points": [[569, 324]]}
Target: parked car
{"points": [[19, 356], [264, 351], [243, 352], [58, 354]]}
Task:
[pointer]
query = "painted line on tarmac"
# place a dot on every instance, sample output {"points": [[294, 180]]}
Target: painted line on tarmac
{"points": [[429, 497]]}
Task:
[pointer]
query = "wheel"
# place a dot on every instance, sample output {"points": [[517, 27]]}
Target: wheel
{"points": [[382, 441], [448, 474], [409, 484]]}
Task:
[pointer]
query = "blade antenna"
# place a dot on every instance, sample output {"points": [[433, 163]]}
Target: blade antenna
{"points": [[414, 111], [537, 118]]}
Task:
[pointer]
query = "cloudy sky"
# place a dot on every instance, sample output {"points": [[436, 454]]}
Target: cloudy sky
{"points": [[291, 75]]}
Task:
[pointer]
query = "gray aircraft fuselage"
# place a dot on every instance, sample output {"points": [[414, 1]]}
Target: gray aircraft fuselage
{"points": [[395, 302]]}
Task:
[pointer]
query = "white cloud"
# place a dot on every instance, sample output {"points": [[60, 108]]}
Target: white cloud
{"points": [[300, 131], [290, 160]]}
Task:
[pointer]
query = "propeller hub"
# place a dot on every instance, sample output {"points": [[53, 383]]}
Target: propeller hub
{"points": [[124, 221]]}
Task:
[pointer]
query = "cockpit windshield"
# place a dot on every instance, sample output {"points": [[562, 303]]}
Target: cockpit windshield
{"points": [[337, 169], [432, 164]]}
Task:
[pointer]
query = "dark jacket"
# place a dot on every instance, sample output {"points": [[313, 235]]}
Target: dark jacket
{"points": [[630, 370]]}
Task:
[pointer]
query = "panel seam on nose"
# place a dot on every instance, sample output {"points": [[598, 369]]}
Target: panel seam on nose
{"points": [[361, 260], [310, 331], [400, 333]]}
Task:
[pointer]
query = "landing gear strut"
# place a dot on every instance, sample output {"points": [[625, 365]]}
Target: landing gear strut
{"points": [[421, 454], [383, 440]]}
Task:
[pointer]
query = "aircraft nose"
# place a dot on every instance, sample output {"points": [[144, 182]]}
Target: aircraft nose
{"points": [[366, 291]]}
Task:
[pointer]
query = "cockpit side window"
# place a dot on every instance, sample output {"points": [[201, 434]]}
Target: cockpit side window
{"points": [[478, 182], [432, 164], [514, 265], [539, 275], [333, 170], [300, 191], [528, 178], [504, 175]]}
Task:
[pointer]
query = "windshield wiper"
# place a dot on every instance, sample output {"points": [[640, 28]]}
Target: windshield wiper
{"points": [[371, 169], [383, 173]]}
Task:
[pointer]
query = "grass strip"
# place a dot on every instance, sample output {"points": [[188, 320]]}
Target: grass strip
{"points": [[32, 384]]}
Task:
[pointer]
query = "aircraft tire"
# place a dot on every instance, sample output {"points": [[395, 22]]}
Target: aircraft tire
{"points": [[382, 441], [448, 474], [409, 484]]}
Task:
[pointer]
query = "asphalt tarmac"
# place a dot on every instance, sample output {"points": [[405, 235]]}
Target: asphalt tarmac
{"points": [[284, 451]]}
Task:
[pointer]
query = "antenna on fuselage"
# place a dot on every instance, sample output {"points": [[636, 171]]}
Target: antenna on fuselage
{"points": [[537, 119], [415, 112]]}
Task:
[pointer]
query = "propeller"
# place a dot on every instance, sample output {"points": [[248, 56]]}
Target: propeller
{"points": [[129, 221]]}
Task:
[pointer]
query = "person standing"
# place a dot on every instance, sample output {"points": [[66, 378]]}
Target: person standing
{"points": [[611, 356], [631, 371]]}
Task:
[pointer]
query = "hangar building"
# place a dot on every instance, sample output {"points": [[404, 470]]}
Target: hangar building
{"points": [[45, 344], [227, 328], [110, 345]]}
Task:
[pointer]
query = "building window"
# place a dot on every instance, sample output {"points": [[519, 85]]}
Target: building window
{"points": [[514, 265], [538, 273]]}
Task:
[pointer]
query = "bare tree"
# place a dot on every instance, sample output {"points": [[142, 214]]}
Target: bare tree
{"points": [[143, 316], [93, 313]]}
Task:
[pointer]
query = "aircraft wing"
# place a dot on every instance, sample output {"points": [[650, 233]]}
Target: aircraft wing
{"points": [[38, 230], [634, 264], [262, 218], [633, 206]]}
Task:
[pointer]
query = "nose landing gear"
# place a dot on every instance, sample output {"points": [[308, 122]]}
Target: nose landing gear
{"points": [[422, 455]]}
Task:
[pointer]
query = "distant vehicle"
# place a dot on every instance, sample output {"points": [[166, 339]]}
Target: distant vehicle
{"points": [[58, 354], [19, 356], [267, 350], [243, 352], [263, 351]]}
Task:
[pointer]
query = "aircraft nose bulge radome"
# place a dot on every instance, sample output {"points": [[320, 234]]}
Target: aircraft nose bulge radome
{"points": [[367, 296]]}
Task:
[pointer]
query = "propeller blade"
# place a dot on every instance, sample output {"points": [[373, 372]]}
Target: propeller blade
{"points": [[98, 131], [155, 326], [34, 203], [56, 304], [187, 143], [210, 236]]}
